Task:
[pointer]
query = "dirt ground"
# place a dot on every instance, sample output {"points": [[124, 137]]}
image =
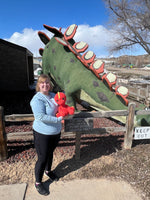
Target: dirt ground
{"points": [[102, 157]]}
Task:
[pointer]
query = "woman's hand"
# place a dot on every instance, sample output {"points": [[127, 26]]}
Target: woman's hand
{"points": [[62, 121]]}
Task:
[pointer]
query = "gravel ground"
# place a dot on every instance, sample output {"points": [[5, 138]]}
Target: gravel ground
{"points": [[101, 157]]}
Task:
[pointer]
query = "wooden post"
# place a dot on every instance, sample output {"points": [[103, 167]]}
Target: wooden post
{"points": [[3, 139], [129, 127], [147, 91], [138, 93], [77, 145]]}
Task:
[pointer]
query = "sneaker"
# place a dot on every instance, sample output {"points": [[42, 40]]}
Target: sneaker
{"points": [[40, 188], [51, 175]]}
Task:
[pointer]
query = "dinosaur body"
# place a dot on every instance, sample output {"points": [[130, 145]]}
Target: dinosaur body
{"points": [[77, 76]]}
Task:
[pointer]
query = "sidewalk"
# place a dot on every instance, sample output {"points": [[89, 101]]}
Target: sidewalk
{"points": [[86, 189], [13, 191]]}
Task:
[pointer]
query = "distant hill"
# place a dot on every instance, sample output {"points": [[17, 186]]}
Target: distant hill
{"points": [[136, 61]]}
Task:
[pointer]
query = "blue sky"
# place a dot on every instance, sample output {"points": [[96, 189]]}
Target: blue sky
{"points": [[21, 20]]}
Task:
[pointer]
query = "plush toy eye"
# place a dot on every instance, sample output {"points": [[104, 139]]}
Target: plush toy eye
{"points": [[63, 98]]}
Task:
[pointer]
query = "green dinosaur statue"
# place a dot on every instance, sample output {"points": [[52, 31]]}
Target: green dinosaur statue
{"points": [[81, 76]]}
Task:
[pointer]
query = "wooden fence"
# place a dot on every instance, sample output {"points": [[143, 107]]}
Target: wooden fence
{"points": [[77, 124], [140, 93]]}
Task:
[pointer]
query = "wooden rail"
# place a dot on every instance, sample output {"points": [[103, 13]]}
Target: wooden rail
{"points": [[77, 124], [140, 94]]}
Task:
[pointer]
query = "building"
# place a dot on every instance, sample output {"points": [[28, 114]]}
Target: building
{"points": [[16, 67]]}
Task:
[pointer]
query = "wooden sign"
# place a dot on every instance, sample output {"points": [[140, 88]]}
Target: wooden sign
{"points": [[78, 125]]}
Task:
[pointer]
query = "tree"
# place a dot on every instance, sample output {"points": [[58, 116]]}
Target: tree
{"points": [[131, 23]]}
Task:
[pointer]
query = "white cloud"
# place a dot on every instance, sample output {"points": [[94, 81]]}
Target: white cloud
{"points": [[98, 38], [28, 39], [94, 36]]}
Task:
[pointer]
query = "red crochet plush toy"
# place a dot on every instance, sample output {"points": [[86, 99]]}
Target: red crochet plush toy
{"points": [[63, 109]]}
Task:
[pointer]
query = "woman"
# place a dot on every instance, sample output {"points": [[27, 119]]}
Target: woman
{"points": [[46, 130]]}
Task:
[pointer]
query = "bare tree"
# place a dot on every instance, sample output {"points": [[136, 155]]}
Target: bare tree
{"points": [[131, 21]]}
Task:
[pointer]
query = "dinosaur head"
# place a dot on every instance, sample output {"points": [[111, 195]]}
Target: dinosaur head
{"points": [[60, 98]]}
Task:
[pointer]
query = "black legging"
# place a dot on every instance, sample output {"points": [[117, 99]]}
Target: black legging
{"points": [[45, 146]]}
